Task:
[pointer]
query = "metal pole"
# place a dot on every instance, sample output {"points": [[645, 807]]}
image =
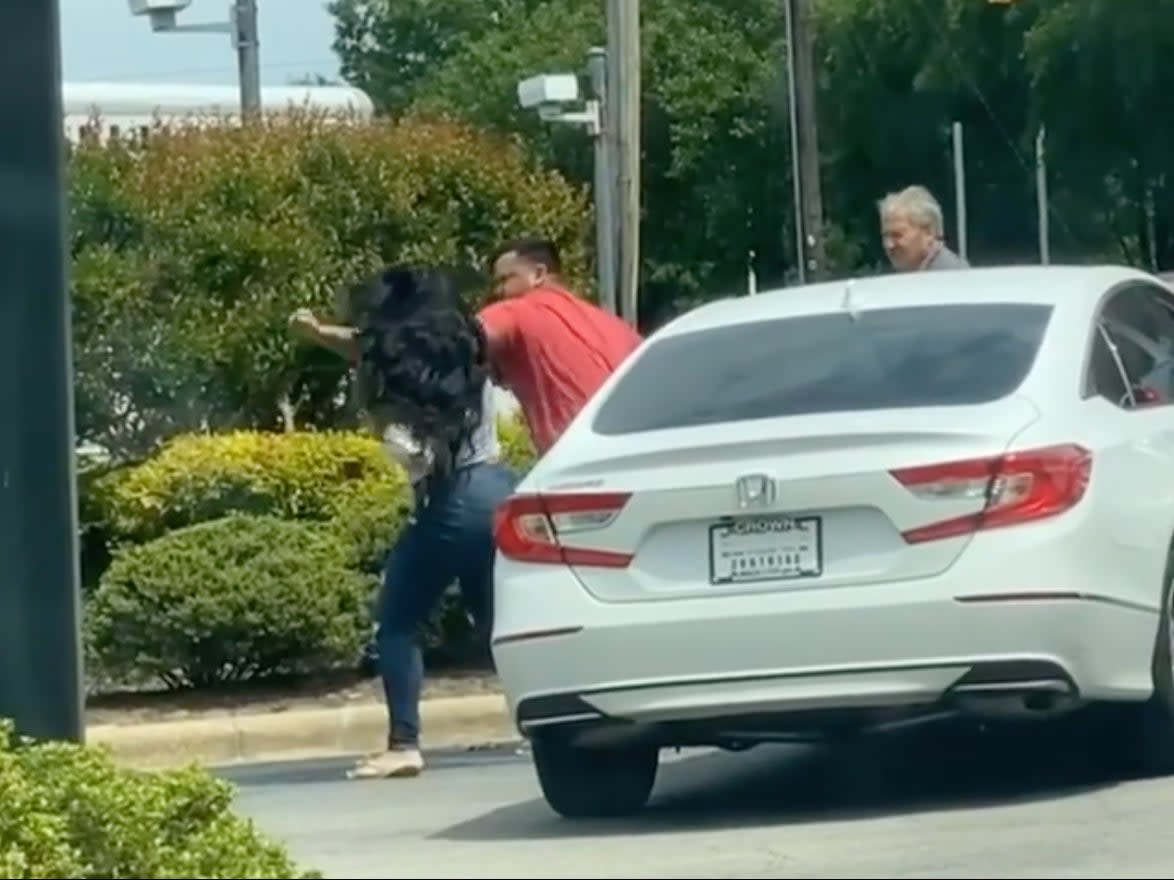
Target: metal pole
{"points": [[40, 604], [248, 50], [605, 189], [624, 90], [960, 190], [796, 172], [805, 133], [1041, 196]]}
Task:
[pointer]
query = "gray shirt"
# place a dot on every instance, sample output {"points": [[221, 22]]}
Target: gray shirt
{"points": [[944, 258], [483, 444]]}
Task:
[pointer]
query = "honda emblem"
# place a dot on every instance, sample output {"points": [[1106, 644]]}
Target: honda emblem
{"points": [[755, 490]]}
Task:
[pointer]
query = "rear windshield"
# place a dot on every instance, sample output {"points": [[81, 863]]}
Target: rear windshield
{"points": [[941, 355]]}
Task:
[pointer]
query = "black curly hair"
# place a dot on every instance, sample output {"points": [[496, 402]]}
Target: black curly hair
{"points": [[422, 357]]}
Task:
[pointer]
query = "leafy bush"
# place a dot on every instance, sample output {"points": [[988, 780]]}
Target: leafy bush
{"points": [[218, 543], [195, 478], [517, 446], [70, 811], [190, 253], [236, 598], [336, 477]]}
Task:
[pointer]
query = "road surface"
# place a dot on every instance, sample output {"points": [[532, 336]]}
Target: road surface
{"points": [[938, 804]]}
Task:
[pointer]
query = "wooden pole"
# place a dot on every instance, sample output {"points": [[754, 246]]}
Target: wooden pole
{"points": [[805, 141]]}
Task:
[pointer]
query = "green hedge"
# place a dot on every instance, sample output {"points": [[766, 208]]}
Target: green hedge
{"points": [[244, 555], [195, 478], [70, 811], [236, 598], [342, 479]]}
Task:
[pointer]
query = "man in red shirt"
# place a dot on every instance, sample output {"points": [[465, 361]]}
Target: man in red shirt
{"points": [[549, 347]]}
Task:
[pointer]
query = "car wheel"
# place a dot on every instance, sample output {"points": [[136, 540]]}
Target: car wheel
{"points": [[594, 783], [1148, 747]]}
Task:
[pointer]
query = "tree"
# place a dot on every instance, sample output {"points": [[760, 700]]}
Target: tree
{"points": [[893, 76], [1116, 56], [897, 74], [388, 47], [716, 175]]}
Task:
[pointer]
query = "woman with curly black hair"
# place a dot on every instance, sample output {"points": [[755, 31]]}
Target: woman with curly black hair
{"points": [[423, 381]]}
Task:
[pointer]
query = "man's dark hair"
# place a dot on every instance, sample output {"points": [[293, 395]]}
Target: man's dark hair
{"points": [[423, 357], [537, 250]]}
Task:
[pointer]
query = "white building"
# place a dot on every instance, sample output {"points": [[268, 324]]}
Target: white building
{"points": [[134, 108]]}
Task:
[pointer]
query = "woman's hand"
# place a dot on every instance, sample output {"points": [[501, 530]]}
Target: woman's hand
{"points": [[305, 325], [338, 339]]}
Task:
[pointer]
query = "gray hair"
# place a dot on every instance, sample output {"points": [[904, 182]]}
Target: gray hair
{"points": [[915, 204]]}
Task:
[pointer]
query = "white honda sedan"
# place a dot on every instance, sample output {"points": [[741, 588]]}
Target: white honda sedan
{"points": [[846, 506]]}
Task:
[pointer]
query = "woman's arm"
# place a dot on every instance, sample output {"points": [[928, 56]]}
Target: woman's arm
{"points": [[334, 337]]}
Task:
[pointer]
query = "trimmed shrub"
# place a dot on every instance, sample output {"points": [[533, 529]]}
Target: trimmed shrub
{"points": [[342, 478], [70, 811], [237, 598], [195, 478], [218, 539]]}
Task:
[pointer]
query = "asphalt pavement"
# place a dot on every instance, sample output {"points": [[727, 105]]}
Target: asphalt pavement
{"points": [[936, 804]]}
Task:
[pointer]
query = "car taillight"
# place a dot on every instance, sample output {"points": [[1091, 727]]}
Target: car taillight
{"points": [[542, 528], [1017, 487]]}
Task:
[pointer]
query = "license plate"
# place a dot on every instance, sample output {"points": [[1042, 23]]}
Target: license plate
{"points": [[765, 548]]}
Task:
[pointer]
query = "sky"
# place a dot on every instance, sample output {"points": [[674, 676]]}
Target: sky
{"points": [[102, 41]]}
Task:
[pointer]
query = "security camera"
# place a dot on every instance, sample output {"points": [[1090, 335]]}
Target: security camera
{"points": [[548, 91], [148, 7], [161, 13]]}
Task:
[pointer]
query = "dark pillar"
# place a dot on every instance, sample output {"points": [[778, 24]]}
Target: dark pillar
{"points": [[40, 650]]}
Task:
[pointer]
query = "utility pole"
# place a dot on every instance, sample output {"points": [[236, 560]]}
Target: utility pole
{"points": [[1041, 196], [809, 231], [605, 184], [248, 53], [959, 157], [623, 124], [241, 26], [40, 600]]}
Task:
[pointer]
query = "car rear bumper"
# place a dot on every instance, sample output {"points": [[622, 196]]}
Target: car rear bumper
{"points": [[780, 657]]}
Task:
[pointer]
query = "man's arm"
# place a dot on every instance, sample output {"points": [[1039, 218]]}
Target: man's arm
{"points": [[500, 322], [333, 337]]}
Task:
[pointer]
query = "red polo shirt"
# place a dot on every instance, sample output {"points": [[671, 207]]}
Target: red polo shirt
{"points": [[553, 350]]}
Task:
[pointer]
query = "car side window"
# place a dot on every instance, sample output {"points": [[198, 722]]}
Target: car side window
{"points": [[1106, 378], [1135, 335]]}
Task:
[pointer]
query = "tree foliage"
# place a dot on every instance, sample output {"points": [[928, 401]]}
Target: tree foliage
{"points": [[715, 177], [388, 47], [1113, 57], [893, 77]]}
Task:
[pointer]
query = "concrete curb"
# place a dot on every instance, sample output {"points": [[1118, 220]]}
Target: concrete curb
{"points": [[446, 722]]}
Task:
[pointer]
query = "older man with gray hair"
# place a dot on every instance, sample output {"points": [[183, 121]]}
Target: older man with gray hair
{"points": [[913, 232]]}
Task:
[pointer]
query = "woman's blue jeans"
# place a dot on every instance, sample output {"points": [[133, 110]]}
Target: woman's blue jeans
{"points": [[450, 538]]}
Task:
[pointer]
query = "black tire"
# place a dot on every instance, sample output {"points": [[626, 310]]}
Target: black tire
{"points": [[1147, 747], [594, 783]]}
